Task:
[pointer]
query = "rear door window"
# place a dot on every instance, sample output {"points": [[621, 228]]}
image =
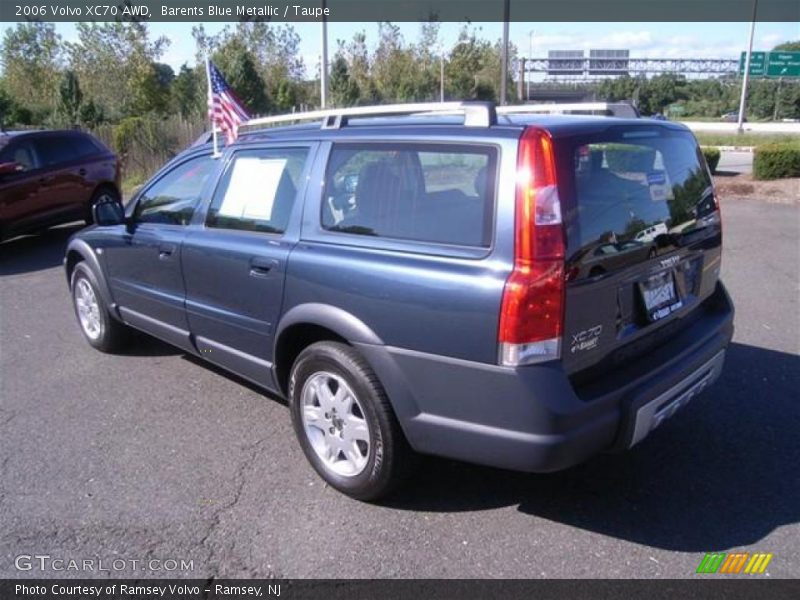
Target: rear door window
{"points": [[439, 193], [258, 190], [631, 188], [54, 150]]}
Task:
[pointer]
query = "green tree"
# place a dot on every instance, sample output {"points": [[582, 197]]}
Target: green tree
{"points": [[359, 67], [70, 97], [286, 96], [239, 70], [344, 90], [473, 68], [91, 115], [619, 88], [660, 91], [6, 108], [31, 58], [793, 46], [117, 64], [188, 93], [274, 52]]}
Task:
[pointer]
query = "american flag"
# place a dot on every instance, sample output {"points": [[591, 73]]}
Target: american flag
{"points": [[224, 109]]}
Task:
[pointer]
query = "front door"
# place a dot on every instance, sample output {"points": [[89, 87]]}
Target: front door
{"points": [[145, 263], [21, 204], [235, 267]]}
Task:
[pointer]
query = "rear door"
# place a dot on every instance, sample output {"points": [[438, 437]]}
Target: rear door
{"points": [[234, 267], [62, 184], [95, 165], [643, 235]]}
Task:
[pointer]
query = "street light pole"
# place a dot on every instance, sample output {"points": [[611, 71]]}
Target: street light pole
{"points": [[323, 71], [746, 76], [504, 61]]}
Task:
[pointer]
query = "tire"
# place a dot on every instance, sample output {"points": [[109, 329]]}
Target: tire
{"points": [[100, 329], [105, 193], [345, 423]]}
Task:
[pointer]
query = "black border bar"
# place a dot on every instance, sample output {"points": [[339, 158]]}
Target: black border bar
{"points": [[398, 10], [701, 587]]}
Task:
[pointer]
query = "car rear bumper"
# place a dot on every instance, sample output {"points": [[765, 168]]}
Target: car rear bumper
{"points": [[532, 418]]}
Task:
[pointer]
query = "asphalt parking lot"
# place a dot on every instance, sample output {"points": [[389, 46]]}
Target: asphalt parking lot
{"points": [[153, 454]]}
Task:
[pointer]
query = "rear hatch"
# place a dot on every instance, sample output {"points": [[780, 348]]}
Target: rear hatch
{"points": [[643, 238]]}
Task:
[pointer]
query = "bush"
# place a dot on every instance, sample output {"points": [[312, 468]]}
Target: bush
{"points": [[144, 144], [777, 161], [712, 156]]}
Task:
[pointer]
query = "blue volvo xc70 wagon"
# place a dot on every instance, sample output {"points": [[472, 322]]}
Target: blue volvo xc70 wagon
{"points": [[479, 283]]}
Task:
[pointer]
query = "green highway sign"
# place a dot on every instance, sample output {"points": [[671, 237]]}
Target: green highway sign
{"points": [[772, 64], [758, 63], [783, 64]]}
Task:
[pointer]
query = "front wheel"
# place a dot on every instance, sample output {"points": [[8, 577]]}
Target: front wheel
{"points": [[345, 423], [99, 328]]}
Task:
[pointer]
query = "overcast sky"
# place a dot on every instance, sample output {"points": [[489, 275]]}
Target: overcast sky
{"points": [[686, 40]]}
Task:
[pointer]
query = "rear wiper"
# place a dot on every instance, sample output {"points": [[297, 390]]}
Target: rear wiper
{"points": [[359, 229]]}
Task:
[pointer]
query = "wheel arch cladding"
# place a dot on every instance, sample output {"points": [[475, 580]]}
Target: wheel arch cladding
{"points": [[306, 324], [79, 251]]}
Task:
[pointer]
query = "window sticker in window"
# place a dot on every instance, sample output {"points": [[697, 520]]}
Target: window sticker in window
{"points": [[252, 188]]}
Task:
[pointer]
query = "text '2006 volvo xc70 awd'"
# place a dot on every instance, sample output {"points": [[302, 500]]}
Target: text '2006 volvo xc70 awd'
{"points": [[479, 283]]}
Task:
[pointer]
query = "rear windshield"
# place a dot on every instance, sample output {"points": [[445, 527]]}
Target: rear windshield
{"points": [[631, 186]]}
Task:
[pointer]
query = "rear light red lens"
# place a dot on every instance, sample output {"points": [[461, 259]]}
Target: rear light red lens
{"points": [[532, 314]]}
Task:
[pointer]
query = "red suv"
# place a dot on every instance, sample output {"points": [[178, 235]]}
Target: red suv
{"points": [[52, 177]]}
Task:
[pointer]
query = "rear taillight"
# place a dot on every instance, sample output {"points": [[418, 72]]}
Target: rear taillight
{"points": [[532, 313]]}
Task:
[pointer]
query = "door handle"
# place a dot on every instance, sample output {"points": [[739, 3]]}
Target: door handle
{"points": [[259, 267], [165, 251]]}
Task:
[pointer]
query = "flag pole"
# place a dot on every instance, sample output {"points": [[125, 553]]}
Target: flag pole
{"points": [[210, 106]]}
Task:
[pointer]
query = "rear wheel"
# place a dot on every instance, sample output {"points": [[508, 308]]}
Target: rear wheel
{"points": [[99, 328], [345, 423]]}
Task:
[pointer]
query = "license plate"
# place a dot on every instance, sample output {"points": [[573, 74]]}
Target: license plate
{"points": [[659, 296]]}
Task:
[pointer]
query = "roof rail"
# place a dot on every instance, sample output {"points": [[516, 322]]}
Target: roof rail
{"points": [[476, 114], [617, 109]]}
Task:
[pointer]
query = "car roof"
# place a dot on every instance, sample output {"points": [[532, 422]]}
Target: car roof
{"points": [[6, 136]]}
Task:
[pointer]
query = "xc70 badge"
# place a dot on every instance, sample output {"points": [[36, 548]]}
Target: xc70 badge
{"points": [[586, 339]]}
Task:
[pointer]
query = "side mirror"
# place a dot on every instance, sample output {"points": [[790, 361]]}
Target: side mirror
{"points": [[108, 213], [9, 168]]}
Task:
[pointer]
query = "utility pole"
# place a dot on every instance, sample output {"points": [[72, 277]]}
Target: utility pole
{"points": [[504, 65], [323, 68], [746, 76]]}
